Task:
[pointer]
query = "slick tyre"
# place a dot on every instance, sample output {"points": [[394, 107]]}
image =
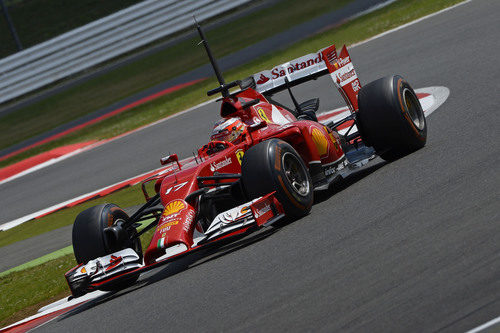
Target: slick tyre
{"points": [[89, 240], [391, 118], [273, 165]]}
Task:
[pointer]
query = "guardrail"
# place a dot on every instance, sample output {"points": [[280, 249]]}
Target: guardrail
{"points": [[100, 41]]}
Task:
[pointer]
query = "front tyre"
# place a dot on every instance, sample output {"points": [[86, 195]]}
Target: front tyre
{"points": [[90, 241], [391, 118], [274, 165]]}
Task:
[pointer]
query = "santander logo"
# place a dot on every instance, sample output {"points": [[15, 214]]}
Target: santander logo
{"points": [[345, 74], [214, 166], [341, 77], [301, 63]]}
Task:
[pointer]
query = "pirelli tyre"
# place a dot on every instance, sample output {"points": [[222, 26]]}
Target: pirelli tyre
{"points": [[274, 165], [90, 241], [391, 118]]}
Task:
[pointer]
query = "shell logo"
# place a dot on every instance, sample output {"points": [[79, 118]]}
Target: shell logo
{"points": [[334, 140], [320, 141], [174, 207]]}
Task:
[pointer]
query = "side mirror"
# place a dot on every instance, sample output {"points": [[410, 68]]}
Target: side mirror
{"points": [[170, 159]]}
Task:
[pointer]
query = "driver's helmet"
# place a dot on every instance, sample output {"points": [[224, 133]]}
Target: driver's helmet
{"points": [[230, 130]]}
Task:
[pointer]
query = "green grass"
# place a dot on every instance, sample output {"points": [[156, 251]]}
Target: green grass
{"points": [[21, 296], [39, 20], [34, 286], [38, 261], [145, 239], [154, 69], [24, 291]]}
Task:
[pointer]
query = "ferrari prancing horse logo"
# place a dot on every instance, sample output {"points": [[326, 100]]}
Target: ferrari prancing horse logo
{"points": [[263, 115], [239, 155]]}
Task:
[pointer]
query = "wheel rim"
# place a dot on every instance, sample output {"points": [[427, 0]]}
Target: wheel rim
{"points": [[296, 174], [414, 109]]}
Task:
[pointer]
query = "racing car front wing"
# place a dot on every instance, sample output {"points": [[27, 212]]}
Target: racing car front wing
{"points": [[101, 271]]}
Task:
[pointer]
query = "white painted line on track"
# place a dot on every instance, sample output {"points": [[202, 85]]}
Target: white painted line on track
{"points": [[409, 24], [484, 326], [59, 305], [64, 303], [438, 95], [39, 213], [46, 164], [100, 143]]}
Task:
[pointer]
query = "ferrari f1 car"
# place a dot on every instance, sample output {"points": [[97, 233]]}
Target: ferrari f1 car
{"points": [[264, 162]]}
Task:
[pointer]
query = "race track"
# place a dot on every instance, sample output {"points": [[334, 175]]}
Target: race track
{"points": [[406, 246]]}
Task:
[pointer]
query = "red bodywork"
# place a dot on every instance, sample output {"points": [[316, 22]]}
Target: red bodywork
{"points": [[312, 140]]}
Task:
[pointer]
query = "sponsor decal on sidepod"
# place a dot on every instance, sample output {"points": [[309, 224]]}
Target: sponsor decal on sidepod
{"points": [[187, 222], [214, 166]]}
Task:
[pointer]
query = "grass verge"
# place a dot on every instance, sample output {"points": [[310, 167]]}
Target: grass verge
{"points": [[11, 289], [23, 292], [39, 285], [108, 88]]}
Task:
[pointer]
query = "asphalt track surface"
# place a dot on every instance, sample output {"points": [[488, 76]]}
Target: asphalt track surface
{"points": [[406, 246]]}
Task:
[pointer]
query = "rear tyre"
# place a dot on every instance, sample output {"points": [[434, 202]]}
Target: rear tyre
{"points": [[390, 117], [90, 242], [274, 165]]}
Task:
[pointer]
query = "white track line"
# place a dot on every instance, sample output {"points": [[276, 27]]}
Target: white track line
{"points": [[100, 143], [47, 163], [31, 216], [409, 24], [59, 305], [484, 326]]}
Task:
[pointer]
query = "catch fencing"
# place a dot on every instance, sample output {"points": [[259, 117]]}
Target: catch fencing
{"points": [[102, 40]]}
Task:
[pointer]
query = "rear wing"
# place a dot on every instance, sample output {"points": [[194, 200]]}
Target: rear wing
{"points": [[310, 67]]}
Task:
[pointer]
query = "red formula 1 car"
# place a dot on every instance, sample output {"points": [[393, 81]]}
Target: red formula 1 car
{"points": [[263, 163]]}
